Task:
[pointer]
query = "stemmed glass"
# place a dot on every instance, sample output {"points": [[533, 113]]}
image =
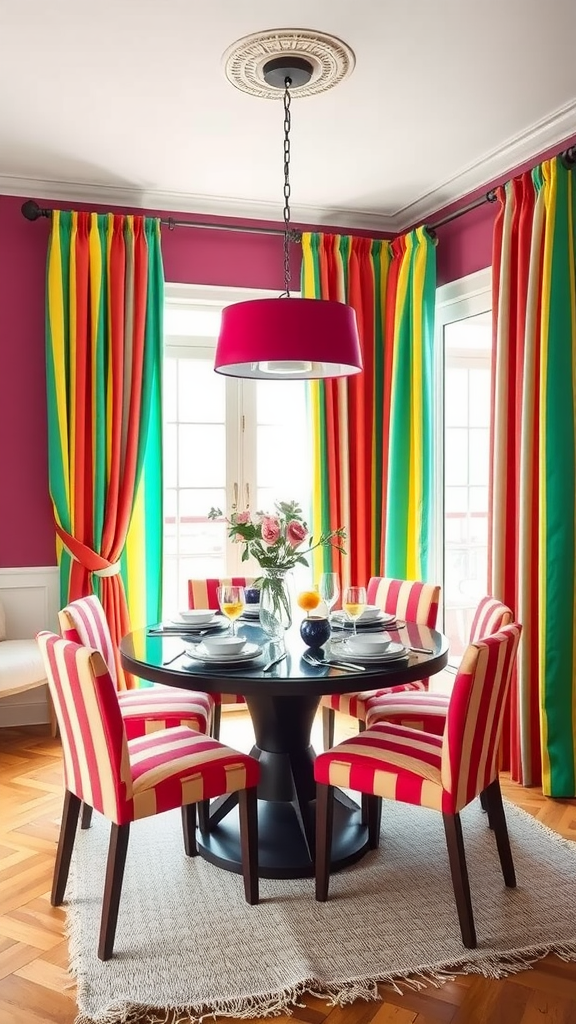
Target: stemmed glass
{"points": [[232, 601], [329, 589], [354, 604]]}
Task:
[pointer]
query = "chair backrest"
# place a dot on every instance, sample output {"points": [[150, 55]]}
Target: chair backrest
{"points": [[489, 618], [84, 622], [96, 761], [475, 713], [408, 599], [202, 593]]}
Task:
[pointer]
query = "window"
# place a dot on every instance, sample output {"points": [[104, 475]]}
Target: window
{"points": [[464, 343], [225, 441]]}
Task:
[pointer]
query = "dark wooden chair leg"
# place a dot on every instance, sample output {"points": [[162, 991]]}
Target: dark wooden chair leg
{"points": [[204, 816], [328, 719], [373, 806], [498, 818], [459, 871], [324, 821], [485, 805], [86, 816], [70, 812], [189, 829], [119, 835], [216, 720], [248, 811]]}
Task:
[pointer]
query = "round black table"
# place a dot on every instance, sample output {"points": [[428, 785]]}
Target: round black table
{"points": [[282, 703]]}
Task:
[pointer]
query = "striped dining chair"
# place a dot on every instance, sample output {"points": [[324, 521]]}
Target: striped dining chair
{"points": [[144, 710], [203, 593], [443, 773], [128, 779], [408, 600], [427, 711]]}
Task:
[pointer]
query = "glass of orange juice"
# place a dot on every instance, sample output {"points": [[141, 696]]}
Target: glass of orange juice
{"points": [[354, 603], [232, 601]]}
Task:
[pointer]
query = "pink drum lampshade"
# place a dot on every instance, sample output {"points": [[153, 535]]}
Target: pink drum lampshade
{"points": [[288, 338]]}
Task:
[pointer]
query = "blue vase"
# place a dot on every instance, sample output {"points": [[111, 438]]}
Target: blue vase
{"points": [[252, 595], [315, 632]]}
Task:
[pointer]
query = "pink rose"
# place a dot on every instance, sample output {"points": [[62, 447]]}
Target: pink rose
{"points": [[243, 518], [295, 533], [270, 529]]}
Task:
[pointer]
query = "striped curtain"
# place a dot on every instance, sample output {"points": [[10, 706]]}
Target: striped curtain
{"points": [[373, 431], [533, 500], [104, 336]]}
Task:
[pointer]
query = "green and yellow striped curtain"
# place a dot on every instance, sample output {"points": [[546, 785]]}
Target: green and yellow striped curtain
{"points": [[533, 547], [104, 337], [373, 431]]}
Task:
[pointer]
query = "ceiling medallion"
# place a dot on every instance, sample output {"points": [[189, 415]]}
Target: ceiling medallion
{"points": [[331, 61]]}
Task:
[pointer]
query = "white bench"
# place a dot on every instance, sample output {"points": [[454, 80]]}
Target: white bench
{"points": [[21, 667]]}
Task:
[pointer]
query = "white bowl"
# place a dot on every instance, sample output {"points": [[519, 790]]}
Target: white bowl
{"points": [[224, 644], [197, 616], [368, 643]]}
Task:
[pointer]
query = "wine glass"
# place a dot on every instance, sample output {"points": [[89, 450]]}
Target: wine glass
{"points": [[232, 601], [354, 604], [329, 589]]}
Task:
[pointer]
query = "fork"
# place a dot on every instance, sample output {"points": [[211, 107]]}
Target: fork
{"points": [[320, 663]]}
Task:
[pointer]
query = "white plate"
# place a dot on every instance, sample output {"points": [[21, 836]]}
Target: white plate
{"points": [[251, 611], [341, 652], [198, 653], [196, 627]]}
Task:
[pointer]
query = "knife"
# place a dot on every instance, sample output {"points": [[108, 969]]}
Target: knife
{"points": [[348, 665], [274, 661]]}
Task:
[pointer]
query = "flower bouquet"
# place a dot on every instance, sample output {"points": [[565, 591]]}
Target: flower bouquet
{"points": [[275, 540]]}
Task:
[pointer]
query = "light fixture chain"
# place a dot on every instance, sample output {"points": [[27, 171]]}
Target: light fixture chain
{"points": [[287, 125]]}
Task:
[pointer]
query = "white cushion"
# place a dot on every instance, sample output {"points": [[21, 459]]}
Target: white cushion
{"points": [[21, 666], [2, 622]]}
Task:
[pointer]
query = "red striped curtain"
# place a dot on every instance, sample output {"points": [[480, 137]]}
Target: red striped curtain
{"points": [[104, 338], [373, 430], [533, 499]]}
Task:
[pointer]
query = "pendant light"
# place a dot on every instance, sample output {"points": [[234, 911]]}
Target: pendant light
{"points": [[287, 337]]}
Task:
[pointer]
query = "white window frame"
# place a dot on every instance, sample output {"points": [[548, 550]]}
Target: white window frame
{"points": [[455, 301]]}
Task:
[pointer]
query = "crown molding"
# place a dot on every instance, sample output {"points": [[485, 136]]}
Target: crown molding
{"points": [[550, 131], [186, 203], [544, 134]]}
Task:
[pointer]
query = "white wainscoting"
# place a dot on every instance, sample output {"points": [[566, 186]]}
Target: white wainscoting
{"points": [[31, 601]]}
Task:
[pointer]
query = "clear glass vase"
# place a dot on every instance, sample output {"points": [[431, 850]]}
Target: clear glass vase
{"points": [[275, 603]]}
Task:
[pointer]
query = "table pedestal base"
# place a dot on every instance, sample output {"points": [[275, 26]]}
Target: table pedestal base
{"points": [[286, 798], [283, 848]]}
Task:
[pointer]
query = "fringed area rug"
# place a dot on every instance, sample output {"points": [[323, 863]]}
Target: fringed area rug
{"points": [[187, 941]]}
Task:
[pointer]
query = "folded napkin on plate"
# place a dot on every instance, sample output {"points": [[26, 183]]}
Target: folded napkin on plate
{"points": [[373, 625]]}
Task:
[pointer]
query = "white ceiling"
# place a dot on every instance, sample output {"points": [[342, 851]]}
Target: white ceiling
{"points": [[126, 101]]}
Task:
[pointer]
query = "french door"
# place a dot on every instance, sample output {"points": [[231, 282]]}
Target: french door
{"points": [[227, 442], [464, 347]]}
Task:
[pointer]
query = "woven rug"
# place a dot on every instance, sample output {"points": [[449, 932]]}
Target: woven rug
{"points": [[186, 940]]}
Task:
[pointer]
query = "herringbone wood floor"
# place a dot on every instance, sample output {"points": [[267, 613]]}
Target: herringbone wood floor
{"points": [[35, 986]]}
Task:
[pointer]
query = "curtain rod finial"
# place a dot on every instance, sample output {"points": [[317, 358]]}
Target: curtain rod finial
{"points": [[32, 211]]}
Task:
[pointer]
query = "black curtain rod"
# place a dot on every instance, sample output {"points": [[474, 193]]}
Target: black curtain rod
{"points": [[31, 210], [568, 158]]}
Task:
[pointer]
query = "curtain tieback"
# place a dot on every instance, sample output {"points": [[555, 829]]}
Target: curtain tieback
{"points": [[111, 570], [88, 558]]}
